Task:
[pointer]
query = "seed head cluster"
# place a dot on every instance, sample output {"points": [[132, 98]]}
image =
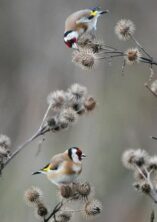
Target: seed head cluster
{"points": [[5, 145], [124, 29], [84, 192], [80, 192], [76, 191], [92, 208], [144, 169], [67, 106]]}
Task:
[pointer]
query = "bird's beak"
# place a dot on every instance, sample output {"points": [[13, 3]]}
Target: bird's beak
{"points": [[75, 46], [103, 12], [83, 155]]}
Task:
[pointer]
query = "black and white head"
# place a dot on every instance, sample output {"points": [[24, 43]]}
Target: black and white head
{"points": [[71, 38], [75, 154]]}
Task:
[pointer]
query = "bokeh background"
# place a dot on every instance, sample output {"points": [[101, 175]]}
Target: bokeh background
{"points": [[35, 61]]}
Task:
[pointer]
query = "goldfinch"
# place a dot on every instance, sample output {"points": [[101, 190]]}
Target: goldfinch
{"points": [[80, 22], [64, 168]]}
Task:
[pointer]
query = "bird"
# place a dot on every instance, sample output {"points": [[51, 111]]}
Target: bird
{"points": [[80, 22], [64, 168]]}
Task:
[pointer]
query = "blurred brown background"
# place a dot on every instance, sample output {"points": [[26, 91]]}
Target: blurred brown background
{"points": [[35, 61]]}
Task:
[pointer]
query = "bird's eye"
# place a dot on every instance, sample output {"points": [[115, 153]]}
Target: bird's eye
{"points": [[55, 168]]}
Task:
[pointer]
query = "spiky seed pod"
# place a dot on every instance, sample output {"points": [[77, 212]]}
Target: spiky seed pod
{"points": [[124, 29], [32, 195], [66, 191], [53, 123], [84, 189], [127, 159], [63, 216], [5, 141], [41, 209], [153, 86], [56, 99], [145, 188], [63, 123], [132, 56], [84, 58], [90, 103], [4, 152], [86, 42], [131, 157], [77, 90], [152, 163], [75, 97], [136, 186], [69, 114], [92, 208]]}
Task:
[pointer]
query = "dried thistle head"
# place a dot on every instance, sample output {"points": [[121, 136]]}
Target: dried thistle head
{"points": [[75, 98], [84, 58], [4, 153], [63, 216], [86, 42], [53, 123], [145, 187], [152, 163], [66, 191], [131, 157], [90, 103], [124, 29], [32, 195], [69, 114], [77, 90], [56, 99], [132, 56], [84, 189], [41, 209], [5, 141], [92, 208]]}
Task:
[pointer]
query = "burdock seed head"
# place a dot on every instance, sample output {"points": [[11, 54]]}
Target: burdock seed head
{"points": [[56, 99], [152, 163], [124, 29], [41, 209], [69, 115], [63, 216], [84, 58], [92, 208], [90, 103], [32, 195], [132, 56], [5, 141], [86, 42], [66, 191], [77, 90], [131, 157], [84, 189]]}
